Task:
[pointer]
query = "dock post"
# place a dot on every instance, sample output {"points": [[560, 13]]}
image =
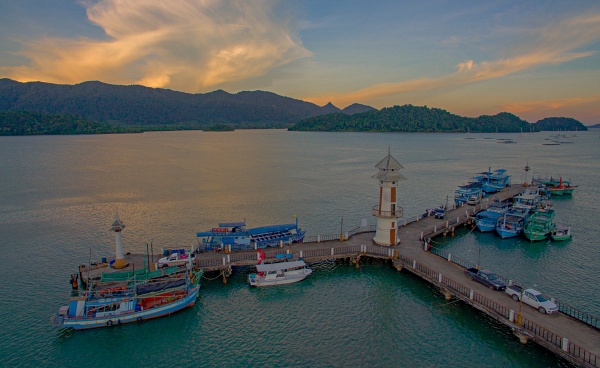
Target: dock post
{"points": [[511, 315], [449, 257], [446, 223], [318, 238], [471, 294], [300, 254], [565, 344], [440, 278], [414, 264], [421, 235], [332, 251]]}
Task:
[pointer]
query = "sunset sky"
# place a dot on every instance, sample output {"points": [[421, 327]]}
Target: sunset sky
{"points": [[535, 59]]}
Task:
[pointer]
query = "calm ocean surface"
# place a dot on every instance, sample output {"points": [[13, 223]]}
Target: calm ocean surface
{"points": [[58, 196]]}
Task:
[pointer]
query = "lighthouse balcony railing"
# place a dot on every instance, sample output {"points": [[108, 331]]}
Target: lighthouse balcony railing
{"points": [[388, 214]]}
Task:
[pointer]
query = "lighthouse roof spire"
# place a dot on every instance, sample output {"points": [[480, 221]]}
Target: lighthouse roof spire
{"points": [[389, 169], [117, 225]]}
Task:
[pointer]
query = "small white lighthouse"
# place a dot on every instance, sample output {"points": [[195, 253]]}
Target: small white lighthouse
{"points": [[387, 212], [117, 226]]}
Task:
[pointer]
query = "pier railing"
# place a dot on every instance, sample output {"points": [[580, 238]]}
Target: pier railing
{"points": [[562, 307], [501, 313], [579, 315]]}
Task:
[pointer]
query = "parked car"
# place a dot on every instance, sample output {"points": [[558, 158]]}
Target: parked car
{"points": [[175, 259], [485, 277], [474, 200], [439, 212], [533, 298]]}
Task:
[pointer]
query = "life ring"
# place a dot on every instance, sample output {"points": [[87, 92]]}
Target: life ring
{"points": [[109, 323], [139, 319]]}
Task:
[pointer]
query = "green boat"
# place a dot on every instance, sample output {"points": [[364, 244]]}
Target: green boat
{"points": [[561, 232], [539, 225]]}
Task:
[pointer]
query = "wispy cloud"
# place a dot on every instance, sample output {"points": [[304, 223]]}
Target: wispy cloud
{"points": [[548, 105], [554, 44], [187, 45]]}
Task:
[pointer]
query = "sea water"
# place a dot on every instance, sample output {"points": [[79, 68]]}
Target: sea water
{"points": [[59, 194]]}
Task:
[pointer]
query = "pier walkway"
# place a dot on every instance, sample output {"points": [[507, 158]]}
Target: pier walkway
{"points": [[568, 337]]}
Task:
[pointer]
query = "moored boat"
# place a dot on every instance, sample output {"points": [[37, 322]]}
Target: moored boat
{"points": [[108, 304], [487, 220], [511, 224], [280, 273], [495, 181], [235, 236], [560, 233], [464, 192], [539, 225]]}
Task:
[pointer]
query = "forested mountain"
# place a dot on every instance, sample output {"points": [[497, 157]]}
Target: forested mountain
{"points": [[138, 105], [409, 118]]}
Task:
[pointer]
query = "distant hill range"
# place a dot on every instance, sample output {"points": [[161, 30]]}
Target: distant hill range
{"points": [[409, 118], [594, 126], [140, 105], [96, 107]]}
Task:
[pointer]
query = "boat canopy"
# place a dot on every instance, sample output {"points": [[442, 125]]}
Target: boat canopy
{"points": [[279, 266]]}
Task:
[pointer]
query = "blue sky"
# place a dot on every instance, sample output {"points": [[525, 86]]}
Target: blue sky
{"points": [[533, 58]]}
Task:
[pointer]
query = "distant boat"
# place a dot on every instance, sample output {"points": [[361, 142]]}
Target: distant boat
{"points": [[235, 236]]}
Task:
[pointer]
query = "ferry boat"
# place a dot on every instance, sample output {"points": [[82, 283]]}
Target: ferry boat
{"points": [[539, 225], [495, 181], [280, 273], [108, 304], [234, 236], [511, 224], [486, 220]]}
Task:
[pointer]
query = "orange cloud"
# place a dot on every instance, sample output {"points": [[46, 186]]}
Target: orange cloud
{"points": [[188, 45], [550, 45]]}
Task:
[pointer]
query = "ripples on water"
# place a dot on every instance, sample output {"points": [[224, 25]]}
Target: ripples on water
{"points": [[58, 196]]}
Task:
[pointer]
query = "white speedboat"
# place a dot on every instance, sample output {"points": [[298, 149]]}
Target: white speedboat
{"points": [[279, 273]]}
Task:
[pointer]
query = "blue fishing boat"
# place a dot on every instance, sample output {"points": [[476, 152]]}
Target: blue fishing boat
{"points": [[486, 220], [234, 236], [464, 192], [495, 181], [511, 224], [107, 304]]}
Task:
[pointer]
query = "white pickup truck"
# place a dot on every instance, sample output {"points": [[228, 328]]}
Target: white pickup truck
{"points": [[175, 259], [532, 297]]}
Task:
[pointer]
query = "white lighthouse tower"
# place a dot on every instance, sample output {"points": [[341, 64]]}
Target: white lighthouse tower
{"points": [[117, 226], [387, 212]]}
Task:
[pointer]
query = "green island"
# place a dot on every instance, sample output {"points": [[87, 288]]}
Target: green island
{"points": [[409, 118], [33, 123]]}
